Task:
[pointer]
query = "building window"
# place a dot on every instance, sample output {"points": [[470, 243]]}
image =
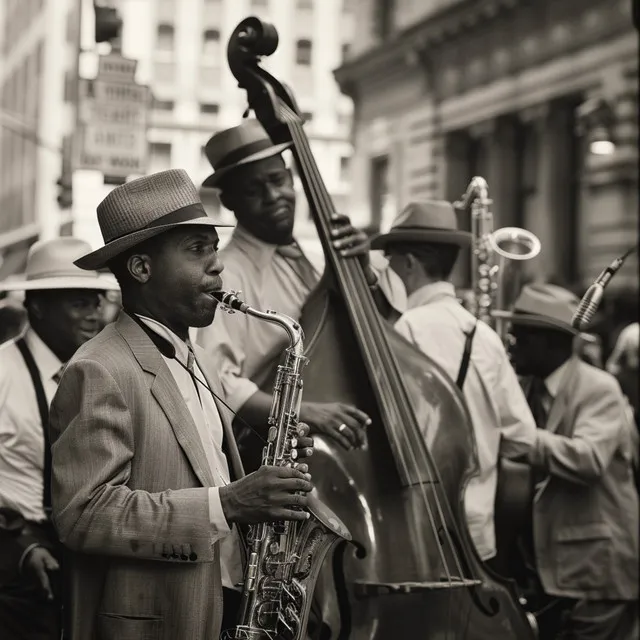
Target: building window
{"points": [[159, 156], [304, 5], [345, 166], [383, 18], [259, 4], [303, 52], [211, 46], [163, 105], [164, 38], [209, 109]]}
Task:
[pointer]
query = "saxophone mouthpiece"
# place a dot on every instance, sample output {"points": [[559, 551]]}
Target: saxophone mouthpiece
{"points": [[230, 300]]}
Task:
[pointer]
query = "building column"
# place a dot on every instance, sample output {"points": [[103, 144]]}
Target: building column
{"points": [[540, 206], [610, 188], [502, 171], [456, 177]]}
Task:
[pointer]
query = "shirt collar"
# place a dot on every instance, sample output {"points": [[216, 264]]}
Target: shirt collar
{"points": [[181, 347], [554, 379], [431, 292], [48, 362], [260, 252]]}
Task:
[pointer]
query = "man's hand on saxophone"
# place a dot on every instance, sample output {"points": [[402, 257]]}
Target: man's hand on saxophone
{"points": [[271, 493]]}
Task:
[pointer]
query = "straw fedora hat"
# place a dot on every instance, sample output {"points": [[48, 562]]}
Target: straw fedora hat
{"points": [[543, 305], [248, 142], [432, 221], [50, 265], [144, 208]]}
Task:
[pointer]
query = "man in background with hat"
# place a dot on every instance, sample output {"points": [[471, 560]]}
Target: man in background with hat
{"points": [[62, 304], [422, 247], [584, 536], [147, 480], [263, 260]]}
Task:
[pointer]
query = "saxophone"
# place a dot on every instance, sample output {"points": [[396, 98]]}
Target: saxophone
{"points": [[496, 258], [283, 558]]}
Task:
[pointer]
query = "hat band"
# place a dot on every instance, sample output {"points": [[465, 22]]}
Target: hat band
{"points": [[184, 214], [75, 273], [243, 152]]}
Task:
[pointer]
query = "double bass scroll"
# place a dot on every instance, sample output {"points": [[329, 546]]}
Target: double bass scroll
{"points": [[411, 570]]}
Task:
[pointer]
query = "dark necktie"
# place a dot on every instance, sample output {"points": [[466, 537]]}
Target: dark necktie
{"points": [[538, 399], [191, 368], [299, 264], [57, 376]]}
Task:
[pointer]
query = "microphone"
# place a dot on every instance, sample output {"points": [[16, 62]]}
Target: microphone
{"points": [[593, 297]]}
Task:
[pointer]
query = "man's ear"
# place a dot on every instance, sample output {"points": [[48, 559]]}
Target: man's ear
{"points": [[226, 199], [139, 266], [36, 307], [412, 263]]}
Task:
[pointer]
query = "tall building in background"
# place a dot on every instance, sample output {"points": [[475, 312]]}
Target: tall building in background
{"points": [[521, 93], [181, 47], [37, 66]]}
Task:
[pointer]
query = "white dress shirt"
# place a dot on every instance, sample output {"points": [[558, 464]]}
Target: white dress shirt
{"points": [[206, 417], [21, 434], [436, 323], [245, 348]]}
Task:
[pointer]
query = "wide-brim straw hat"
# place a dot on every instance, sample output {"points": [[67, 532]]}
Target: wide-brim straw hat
{"points": [[429, 221], [50, 265], [543, 305], [144, 208], [231, 148]]}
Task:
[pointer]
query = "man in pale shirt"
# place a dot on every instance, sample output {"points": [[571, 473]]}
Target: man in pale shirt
{"points": [[422, 247], [62, 304], [263, 261], [142, 494]]}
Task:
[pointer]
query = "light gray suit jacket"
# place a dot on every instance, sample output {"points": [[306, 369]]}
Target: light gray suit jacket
{"points": [[129, 495], [585, 513]]}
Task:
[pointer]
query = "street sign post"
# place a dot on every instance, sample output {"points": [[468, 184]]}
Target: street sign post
{"points": [[113, 112]]}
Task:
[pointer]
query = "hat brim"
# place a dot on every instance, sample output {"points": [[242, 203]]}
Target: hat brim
{"points": [[214, 178], [436, 236], [533, 320], [93, 283], [100, 258]]}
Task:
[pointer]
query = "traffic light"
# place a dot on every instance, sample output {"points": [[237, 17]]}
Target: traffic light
{"points": [[65, 193], [108, 23]]}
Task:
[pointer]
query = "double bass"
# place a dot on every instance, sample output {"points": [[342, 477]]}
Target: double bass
{"points": [[411, 570]]}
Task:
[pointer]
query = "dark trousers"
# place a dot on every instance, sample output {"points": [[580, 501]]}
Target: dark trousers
{"points": [[25, 612], [600, 620]]}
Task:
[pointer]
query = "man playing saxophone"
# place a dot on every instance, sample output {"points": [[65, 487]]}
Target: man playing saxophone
{"points": [[422, 247], [147, 481]]}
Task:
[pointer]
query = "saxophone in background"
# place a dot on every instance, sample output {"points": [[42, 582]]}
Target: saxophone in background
{"points": [[496, 259], [283, 558]]}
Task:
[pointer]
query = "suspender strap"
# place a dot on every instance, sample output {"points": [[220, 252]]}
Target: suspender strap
{"points": [[43, 408], [466, 357]]}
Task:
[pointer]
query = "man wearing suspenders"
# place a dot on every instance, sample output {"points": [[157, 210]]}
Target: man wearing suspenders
{"points": [[422, 247], [62, 303]]}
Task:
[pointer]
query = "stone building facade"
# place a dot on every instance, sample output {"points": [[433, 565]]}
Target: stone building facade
{"points": [[448, 89]]}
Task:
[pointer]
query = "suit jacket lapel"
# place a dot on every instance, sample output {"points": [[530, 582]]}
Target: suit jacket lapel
{"points": [[165, 390], [557, 412], [225, 413]]}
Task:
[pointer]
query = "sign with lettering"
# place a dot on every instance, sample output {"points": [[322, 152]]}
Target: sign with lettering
{"points": [[113, 114]]}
